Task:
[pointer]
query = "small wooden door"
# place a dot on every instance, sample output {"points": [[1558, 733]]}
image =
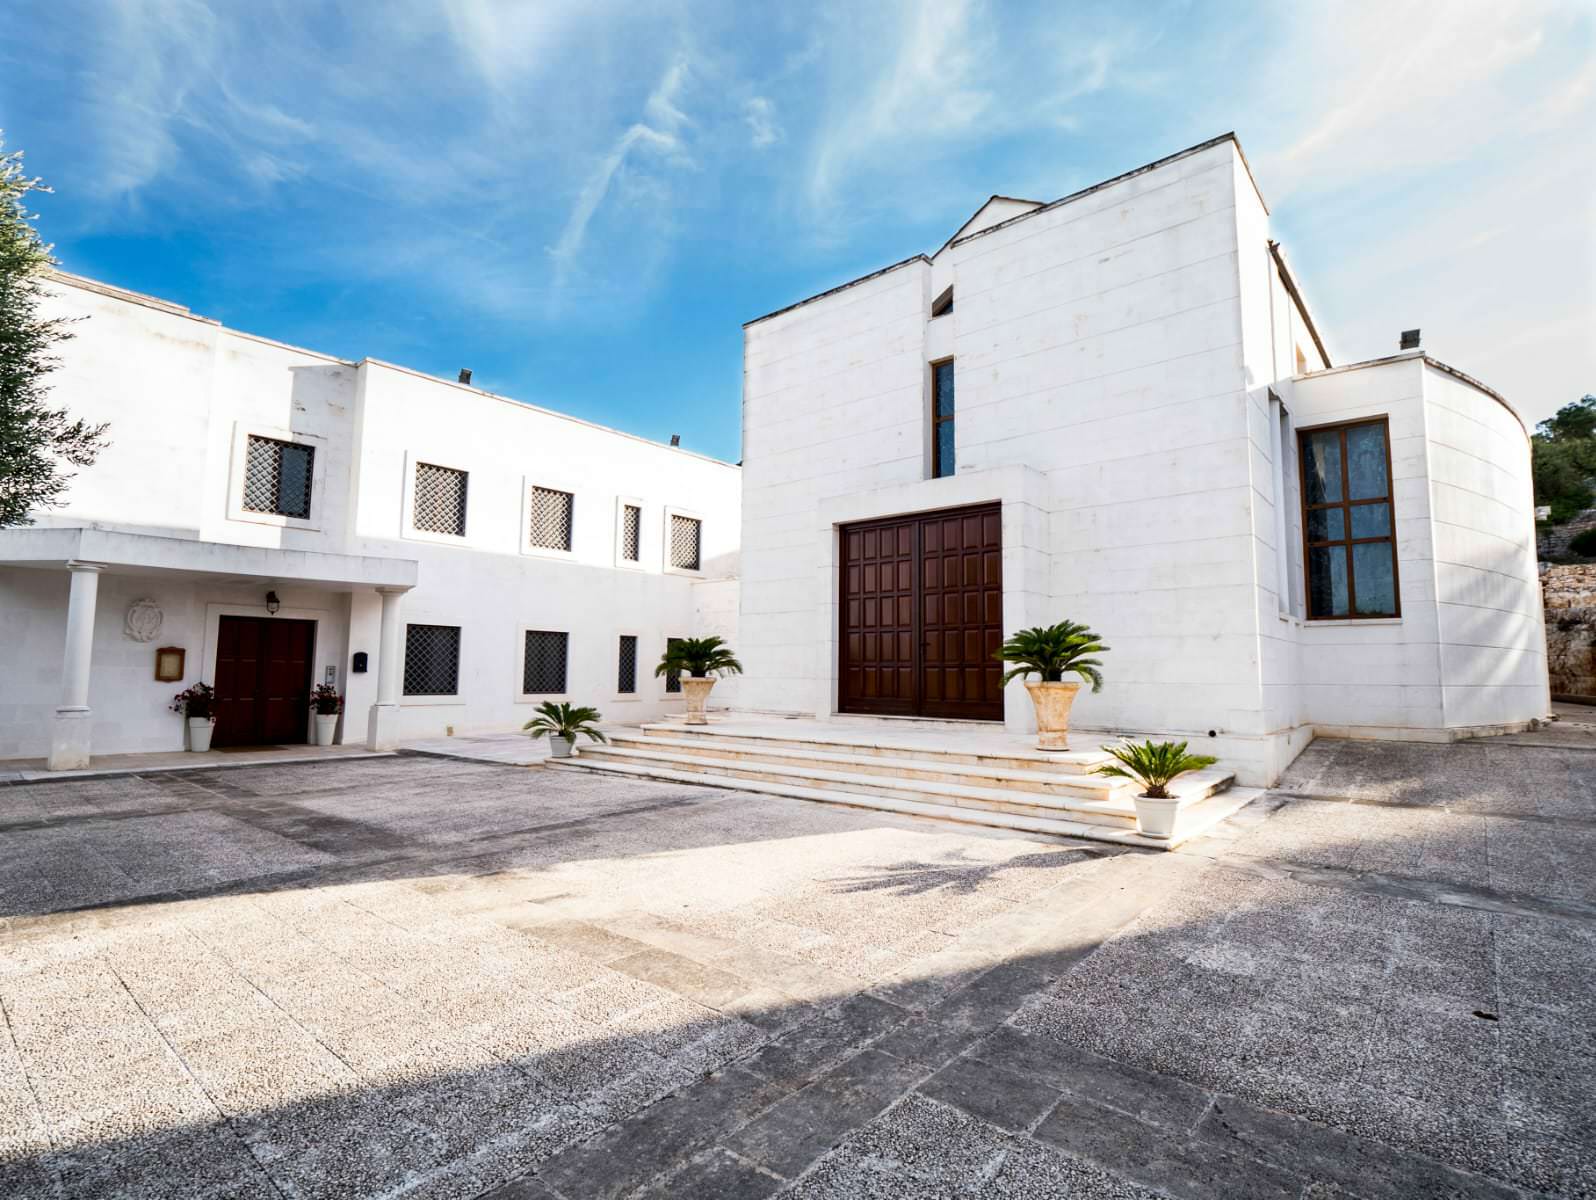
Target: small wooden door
{"points": [[263, 678], [921, 615]]}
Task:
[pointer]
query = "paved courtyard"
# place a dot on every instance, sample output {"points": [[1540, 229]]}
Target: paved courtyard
{"points": [[410, 977]]}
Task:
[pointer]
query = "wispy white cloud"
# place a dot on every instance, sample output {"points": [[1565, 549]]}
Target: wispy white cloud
{"points": [[760, 114]]}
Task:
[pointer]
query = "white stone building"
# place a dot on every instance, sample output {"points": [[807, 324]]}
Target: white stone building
{"points": [[446, 557], [1107, 408]]}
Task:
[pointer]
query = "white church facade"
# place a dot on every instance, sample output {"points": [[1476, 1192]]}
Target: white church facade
{"points": [[267, 518], [1115, 408]]}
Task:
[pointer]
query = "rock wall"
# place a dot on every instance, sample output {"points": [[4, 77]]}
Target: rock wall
{"points": [[1552, 540], [1569, 593]]}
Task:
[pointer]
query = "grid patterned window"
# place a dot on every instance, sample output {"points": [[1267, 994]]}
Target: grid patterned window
{"points": [[673, 679], [685, 539], [440, 504], [432, 660], [631, 532], [543, 663], [277, 477], [626, 667], [942, 458], [551, 519], [1347, 521]]}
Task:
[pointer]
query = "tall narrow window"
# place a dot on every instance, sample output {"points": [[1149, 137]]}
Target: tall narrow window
{"points": [[626, 666], [550, 521], [631, 532], [277, 477], [432, 660], [942, 419], [685, 542], [673, 679], [543, 663], [1347, 522], [440, 501]]}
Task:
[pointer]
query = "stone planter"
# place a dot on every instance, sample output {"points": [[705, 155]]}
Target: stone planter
{"points": [[697, 691], [1052, 702], [326, 726], [560, 747], [199, 733], [1156, 818]]}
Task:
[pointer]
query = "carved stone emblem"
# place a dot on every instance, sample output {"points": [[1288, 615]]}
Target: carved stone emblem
{"points": [[143, 623]]}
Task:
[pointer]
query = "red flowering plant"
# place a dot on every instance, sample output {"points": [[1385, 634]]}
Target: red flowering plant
{"points": [[198, 703], [326, 700]]}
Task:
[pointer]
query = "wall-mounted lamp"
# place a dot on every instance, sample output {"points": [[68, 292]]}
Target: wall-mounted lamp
{"points": [[272, 603]]}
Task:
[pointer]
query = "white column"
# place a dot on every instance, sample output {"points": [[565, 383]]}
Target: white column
{"points": [[70, 731], [382, 727]]}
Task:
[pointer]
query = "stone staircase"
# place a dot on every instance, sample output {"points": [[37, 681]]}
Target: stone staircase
{"points": [[989, 778]]}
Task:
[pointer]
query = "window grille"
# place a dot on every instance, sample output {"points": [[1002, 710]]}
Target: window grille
{"points": [[684, 542], [626, 675], [543, 663], [631, 533], [277, 477], [432, 660], [673, 679], [551, 519], [440, 503]]}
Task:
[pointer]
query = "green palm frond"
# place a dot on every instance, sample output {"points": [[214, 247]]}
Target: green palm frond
{"points": [[698, 657], [1051, 650], [1154, 765], [563, 720]]}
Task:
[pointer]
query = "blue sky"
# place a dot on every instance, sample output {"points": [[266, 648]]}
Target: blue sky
{"points": [[583, 202]]}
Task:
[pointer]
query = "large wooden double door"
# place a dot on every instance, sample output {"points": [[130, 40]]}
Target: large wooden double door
{"points": [[921, 609], [263, 677]]}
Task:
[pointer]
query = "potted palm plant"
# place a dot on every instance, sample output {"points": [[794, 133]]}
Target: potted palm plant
{"points": [[328, 704], [1051, 652], [1154, 765], [698, 661], [198, 704], [563, 722]]}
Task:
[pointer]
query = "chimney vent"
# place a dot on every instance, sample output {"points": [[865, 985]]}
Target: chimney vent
{"points": [[1410, 339], [465, 375], [676, 439]]}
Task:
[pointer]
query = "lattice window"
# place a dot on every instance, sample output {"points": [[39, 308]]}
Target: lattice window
{"points": [[440, 504], [631, 532], [277, 477], [673, 679], [550, 525], [543, 663], [685, 542], [626, 672], [432, 660]]}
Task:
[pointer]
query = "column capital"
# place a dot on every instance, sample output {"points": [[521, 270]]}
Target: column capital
{"points": [[78, 564]]}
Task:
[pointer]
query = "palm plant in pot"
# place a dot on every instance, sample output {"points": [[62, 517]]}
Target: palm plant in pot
{"points": [[1154, 765], [698, 661], [328, 704], [198, 704], [563, 723], [1052, 652]]}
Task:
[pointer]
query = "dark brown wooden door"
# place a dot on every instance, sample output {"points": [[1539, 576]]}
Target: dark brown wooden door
{"points": [[922, 615], [263, 676]]}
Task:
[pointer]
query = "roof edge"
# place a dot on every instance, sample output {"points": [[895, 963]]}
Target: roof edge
{"points": [[841, 287], [1290, 282], [1428, 360]]}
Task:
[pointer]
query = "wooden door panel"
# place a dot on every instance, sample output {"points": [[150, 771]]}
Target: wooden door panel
{"points": [[263, 675]]}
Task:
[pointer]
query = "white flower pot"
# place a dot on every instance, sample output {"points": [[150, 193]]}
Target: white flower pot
{"points": [[560, 747], [697, 691], [326, 726], [1052, 702], [1156, 818], [199, 733]]}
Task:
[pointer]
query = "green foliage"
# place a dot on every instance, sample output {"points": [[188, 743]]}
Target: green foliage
{"points": [[1154, 765], [698, 657], [565, 721], [34, 439], [1564, 448], [1051, 650], [1583, 543]]}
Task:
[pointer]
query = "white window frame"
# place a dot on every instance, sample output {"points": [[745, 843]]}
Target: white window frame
{"points": [[242, 432], [553, 484], [640, 563], [520, 664], [408, 516], [407, 620], [644, 669], [665, 542]]}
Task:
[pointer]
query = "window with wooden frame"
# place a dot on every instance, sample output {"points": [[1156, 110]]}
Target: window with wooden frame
{"points": [[1349, 530], [942, 458]]}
